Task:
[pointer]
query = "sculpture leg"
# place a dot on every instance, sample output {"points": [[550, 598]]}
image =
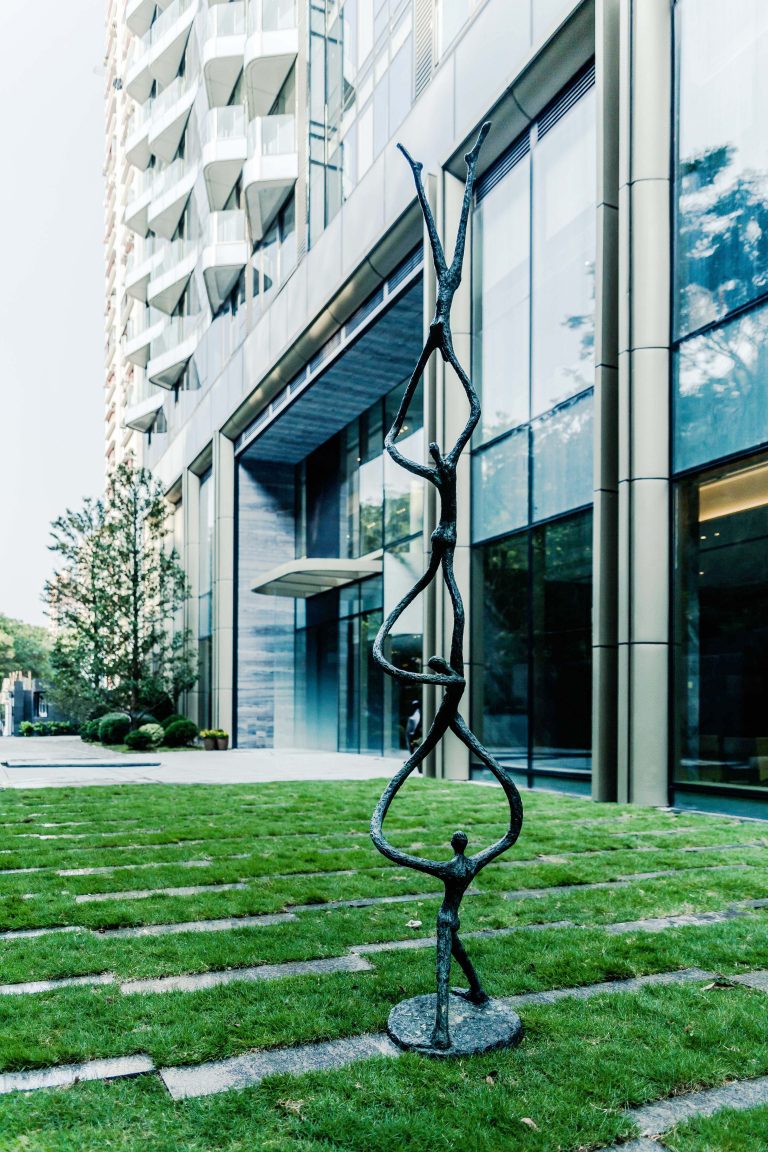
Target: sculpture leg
{"points": [[476, 993], [440, 1035]]}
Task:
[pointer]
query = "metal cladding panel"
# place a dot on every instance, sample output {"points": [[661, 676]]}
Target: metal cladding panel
{"points": [[382, 357]]}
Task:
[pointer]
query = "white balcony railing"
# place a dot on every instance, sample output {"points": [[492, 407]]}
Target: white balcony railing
{"points": [[272, 135], [227, 227], [272, 15], [167, 19], [171, 95], [225, 123], [226, 20]]}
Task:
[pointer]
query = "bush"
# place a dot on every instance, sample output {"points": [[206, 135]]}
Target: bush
{"points": [[155, 734], [89, 731], [171, 720], [48, 728], [180, 733], [114, 727], [139, 740]]}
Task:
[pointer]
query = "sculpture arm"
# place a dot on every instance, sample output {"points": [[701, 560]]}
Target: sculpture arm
{"points": [[437, 249], [480, 859]]}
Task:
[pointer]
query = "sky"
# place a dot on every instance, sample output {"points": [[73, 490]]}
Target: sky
{"points": [[52, 281]]}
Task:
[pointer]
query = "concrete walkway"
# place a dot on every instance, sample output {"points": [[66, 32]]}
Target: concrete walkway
{"points": [[67, 761]]}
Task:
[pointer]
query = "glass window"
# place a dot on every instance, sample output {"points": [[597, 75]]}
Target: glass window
{"points": [[721, 625], [500, 487], [500, 647], [501, 302], [562, 643], [562, 458], [720, 395], [722, 174], [564, 241], [452, 16]]}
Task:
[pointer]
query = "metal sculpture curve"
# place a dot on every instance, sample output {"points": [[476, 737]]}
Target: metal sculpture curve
{"points": [[457, 873]]}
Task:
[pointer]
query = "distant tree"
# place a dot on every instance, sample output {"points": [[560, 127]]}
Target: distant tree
{"points": [[24, 648], [116, 599]]}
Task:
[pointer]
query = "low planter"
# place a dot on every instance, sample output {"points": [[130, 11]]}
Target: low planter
{"points": [[222, 743], [209, 743], [215, 739]]}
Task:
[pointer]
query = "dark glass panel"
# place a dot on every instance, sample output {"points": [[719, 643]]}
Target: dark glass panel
{"points": [[562, 459], [722, 630], [500, 487], [562, 643], [323, 511], [499, 661]]}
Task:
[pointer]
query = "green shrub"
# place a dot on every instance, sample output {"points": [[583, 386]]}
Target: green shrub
{"points": [[89, 731], [155, 733], [180, 733], [139, 740], [172, 720], [114, 727]]}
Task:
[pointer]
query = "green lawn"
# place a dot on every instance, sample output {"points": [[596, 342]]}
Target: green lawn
{"points": [[580, 1065]]}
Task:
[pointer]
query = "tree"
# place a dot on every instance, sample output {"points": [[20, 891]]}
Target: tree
{"points": [[24, 648], [116, 601]]}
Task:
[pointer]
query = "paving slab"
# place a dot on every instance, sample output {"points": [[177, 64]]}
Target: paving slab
{"points": [[146, 893], [661, 923], [657, 1118], [202, 980], [611, 987], [758, 980], [246, 1071], [226, 924], [63, 1075], [31, 987]]}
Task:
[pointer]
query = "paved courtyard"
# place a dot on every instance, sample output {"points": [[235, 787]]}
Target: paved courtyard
{"points": [[187, 969]]}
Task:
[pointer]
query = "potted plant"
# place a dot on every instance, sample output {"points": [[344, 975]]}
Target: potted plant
{"points": [[222, 740], [208, 737]]}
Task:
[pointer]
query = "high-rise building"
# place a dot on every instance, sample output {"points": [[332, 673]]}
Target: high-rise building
{"points": [[120, 439], [614, 504]]}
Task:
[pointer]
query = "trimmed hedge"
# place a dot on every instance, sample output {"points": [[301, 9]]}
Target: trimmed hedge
{"points": [[180, 733], [155, 733], [172, 720], [139, 740], [89, 731], [114, 727], [49, 728]]}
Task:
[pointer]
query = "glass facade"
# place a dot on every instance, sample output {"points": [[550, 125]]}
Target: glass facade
{"points": [[205, 601], [533, 270], [353, 501], [720, 373]]}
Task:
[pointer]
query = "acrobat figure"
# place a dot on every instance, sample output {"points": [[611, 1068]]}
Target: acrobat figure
{"points": [[458, 873]]}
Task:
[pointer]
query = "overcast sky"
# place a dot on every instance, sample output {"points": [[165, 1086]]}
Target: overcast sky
{"points": [[52, 282]]}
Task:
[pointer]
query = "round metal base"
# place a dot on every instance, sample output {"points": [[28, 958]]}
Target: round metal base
{"points": [[473, 1028]]}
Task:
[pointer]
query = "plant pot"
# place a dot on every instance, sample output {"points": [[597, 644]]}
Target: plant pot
{"points": [[209, 743], [222, 743]]}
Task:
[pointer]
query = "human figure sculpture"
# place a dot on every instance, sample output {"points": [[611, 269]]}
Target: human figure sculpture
{"points": [[457, 873]]}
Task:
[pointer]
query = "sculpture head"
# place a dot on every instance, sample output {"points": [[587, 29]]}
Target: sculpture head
{"points": [[459, 841]]}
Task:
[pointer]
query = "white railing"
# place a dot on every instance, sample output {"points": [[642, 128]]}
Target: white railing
{"points": [[176, 332], [174, 252], [168, 18], [140, 184], [171, 175], [142, 251], [272, 135], [271, 15], [226, 227], [226, 20], [172, 94], [225, 123], [139, 119]]}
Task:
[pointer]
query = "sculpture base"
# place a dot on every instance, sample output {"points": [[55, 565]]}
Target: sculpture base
{"points": [[474, 1028]]}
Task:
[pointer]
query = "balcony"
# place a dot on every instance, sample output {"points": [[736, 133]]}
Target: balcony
{"points": [[171, 276], [138, 340], [225, 254], [142, 262], [271, 171], [223, 51], [170, 193], [137, 150], [137, 206], [144, 403], [270, 51], [224, 152], [138, 16], [138, 78], [172, 350], [169, 35], [170, 113]]}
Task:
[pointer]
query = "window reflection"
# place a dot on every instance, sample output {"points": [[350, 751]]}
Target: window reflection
{"points": [[722, 175], [562, 458], [564, 257], [722, 630], [720, 391], [500, 487], [501, 302]]}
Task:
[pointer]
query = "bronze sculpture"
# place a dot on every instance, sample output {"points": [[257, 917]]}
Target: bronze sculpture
{"points": [[436, 1024]]}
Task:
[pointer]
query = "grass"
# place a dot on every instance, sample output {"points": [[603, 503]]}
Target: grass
{"points": [[581, 1064]]}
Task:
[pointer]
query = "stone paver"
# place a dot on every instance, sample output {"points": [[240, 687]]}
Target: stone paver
{"points": [[661, 923], [657, 1118], [758, 980], [610, 987], [201, 980], [146, 893], [34, 986], [63, 1075], [225, 924]]}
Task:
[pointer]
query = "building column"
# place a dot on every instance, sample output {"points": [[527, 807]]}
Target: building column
{"points": [[451, 756], [430, 642], [644, 401], [605, 564], [223, 580], [190, 504]]}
